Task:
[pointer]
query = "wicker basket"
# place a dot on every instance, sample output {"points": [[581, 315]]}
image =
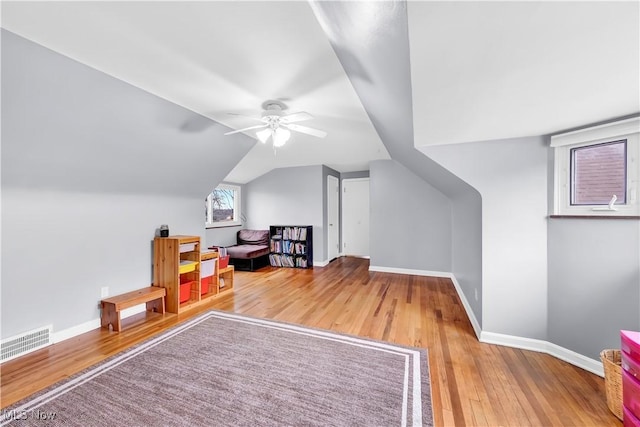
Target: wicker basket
{"points": [[611, 360]]}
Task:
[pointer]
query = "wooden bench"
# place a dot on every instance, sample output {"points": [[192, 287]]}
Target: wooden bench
{"points": [[111, 307]]}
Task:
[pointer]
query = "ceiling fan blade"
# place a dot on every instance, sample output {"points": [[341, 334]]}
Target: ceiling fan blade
{"points": [[307, 130], [257, 119], [245, 129], [296, 117]]}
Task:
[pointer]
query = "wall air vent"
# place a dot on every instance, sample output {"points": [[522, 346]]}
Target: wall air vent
{"points": [[25, 343]]}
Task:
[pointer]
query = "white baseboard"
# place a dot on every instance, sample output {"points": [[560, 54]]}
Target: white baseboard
{"points": [[465, 303], [467, 307], [321, 263], [90, 325], [409, 271], [569, 356], [73, 331], [577, 359]]}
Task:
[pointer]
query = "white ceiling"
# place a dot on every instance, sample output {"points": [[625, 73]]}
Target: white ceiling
{"points": [[492, 70], [214, 58], [479, 70]]}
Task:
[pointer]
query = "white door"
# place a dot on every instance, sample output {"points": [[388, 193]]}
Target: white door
{"points": [[333, 232], [355, 217]]}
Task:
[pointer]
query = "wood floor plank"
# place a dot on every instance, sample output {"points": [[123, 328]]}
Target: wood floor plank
{"points": [[471, 383]]}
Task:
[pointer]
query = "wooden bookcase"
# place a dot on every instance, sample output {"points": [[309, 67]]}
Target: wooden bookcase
{"points": [[177, 263], [291, 246]]}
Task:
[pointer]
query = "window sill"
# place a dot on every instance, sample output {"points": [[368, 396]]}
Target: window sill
{"points": [[594, 216], [226, 224]]}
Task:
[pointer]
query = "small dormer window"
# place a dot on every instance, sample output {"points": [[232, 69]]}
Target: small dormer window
{"points": [[599, 174], [597, 170], [222, 206]]}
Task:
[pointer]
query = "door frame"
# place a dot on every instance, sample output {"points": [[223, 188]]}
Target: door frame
{"points": [[337, 232], [347, 180]]}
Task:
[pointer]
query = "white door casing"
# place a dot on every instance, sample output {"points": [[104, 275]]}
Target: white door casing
{"points": [[333, 208], [355, 217]]}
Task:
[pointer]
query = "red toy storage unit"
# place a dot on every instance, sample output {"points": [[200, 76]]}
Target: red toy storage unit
{"points": [[630, 347]]}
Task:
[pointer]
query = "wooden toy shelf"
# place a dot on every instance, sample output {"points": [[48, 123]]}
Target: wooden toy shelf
{"points": [[177, 267]]}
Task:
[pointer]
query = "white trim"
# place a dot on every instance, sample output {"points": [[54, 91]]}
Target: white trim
{"points": [[74, 331], [336, 180], [364, 178], [608, 130], [465, 303], [321, 263], [394, 270], [563, 144], [343, 213], [128, 312], [237, 207], [577, 359], [569, 356], [467, 307], [90, 325]]}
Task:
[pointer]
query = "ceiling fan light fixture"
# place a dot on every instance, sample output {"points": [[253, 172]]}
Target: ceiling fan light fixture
{"points": [[278, 125], [263, 135], [281, 136]]}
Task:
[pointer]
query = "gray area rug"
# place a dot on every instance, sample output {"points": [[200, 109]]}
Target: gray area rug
{"points": [[223, 369]]}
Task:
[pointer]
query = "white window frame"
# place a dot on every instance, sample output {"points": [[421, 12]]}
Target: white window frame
{"points": [[628, 129], [209, 223]]}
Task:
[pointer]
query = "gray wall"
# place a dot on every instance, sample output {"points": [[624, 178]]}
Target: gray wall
{"points": [[60, 247], [466, 247], [352, 175], [91, 166], [594, 277], [511, 177], [381, 76], [594, 282], [410, 220], [222, 236], [289, 196]]}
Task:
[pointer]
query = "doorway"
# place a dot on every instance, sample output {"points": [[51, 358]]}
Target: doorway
{"points": [[355, 217], [333, 209]]}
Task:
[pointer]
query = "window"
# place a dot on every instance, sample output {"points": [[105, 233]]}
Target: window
{"points": [[222, 206], [597, 170]]}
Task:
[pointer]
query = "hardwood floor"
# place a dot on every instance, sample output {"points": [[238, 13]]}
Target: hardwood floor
{"points": [[472, 383]]}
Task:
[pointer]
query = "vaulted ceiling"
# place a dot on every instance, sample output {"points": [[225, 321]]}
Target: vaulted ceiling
{"points": [[477, 70]]}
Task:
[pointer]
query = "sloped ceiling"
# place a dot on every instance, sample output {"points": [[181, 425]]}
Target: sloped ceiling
{"points": [[214, 58], [479, 70], [494, 70], [67, 127]]}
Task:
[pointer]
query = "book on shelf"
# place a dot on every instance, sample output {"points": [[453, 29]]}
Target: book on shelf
{"points": [[294, 233], [291, 246], [275, 246], [282, 260], [275, 261]]}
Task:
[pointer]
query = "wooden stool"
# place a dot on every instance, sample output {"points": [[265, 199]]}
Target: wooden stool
{"points": [[111, 307]]}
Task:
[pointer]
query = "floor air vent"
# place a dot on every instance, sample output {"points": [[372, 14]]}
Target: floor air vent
{"points": [[25, 343]]}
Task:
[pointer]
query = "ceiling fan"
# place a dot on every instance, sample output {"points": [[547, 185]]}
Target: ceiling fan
{"points": [[278, 125]]}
